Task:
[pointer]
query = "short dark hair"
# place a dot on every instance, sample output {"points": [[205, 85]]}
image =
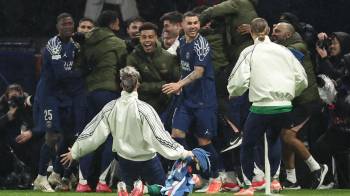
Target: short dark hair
{"points": [[63, 15], [149, 26], [107, 17], [134, 19], [86, 19], [190, 14], [173, 17]]}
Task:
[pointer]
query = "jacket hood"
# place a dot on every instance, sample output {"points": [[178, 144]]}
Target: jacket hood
{"points": [[295, 38], [98, 34], [344, 40]]}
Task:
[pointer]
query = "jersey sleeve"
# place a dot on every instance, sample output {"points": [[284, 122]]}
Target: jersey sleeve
{"points": [[202, 52]]}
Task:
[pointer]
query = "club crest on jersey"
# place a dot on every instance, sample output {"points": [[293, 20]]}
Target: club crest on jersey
{"points": [[187, 55], [56, 57], [54, 46], [201, 46]]}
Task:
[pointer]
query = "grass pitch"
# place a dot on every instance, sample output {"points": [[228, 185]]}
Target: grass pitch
{"points": [[345, 192]]}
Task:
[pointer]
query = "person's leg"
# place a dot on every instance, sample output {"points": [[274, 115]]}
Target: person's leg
{"points": [[339, 146], [289, 163], [130, 171], [290, 138], [254, 129], [153, 172], [107, 158], [300, 117], [96, 101], [47, 153], [259, 174], [181, 122], [206, 129], [238, 110], [275, 149], [50, 122]]}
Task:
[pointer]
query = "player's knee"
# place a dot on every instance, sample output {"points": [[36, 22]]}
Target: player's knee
{"points": [[51, 139], [177, 133], [287, 136]]}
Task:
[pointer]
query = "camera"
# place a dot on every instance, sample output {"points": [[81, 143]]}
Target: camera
{"points": [[16, 101], [324, 43], [79, 37]]}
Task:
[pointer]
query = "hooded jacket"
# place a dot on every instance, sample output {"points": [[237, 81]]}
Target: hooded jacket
{"points": [[332, 66], [235, 13], [310, 93], [156, 69], [103, 54]]}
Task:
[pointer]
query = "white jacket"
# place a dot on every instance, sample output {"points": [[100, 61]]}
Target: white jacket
{"points": [[137, 131], [172, 49], [271, 73]]}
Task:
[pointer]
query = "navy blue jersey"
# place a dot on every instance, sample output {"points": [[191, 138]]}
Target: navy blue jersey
{"points": [[60, 88], [57, 73], [201, 92]]}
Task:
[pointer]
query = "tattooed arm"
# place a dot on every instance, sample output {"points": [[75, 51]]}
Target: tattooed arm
{"points": [[176, 87]]}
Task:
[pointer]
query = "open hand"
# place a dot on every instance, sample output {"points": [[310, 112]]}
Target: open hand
{"points": [[321, 51], [243, 29], [11, 113], [171, 88], [24, 137], [67, 158]]}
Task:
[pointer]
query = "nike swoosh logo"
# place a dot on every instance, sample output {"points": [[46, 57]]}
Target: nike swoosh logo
{"points": [[234, 141]]}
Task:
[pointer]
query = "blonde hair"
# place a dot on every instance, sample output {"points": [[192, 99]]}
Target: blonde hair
{"points": [[129, 77], [260, 27]]}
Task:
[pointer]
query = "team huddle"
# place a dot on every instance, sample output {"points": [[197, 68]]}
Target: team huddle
{"points": [[148, 101]]}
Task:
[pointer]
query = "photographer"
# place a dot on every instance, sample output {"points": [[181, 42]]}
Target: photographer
{"points": [[335, 141], [17, 138], [331, 50], [334, 62]]}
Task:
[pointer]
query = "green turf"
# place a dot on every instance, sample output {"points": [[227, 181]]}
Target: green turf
{"points": [[297, 193]]}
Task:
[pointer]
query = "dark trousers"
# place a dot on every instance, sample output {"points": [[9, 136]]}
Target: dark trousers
{"points": [[255, 127], [96, 101], [336, 143], [150, 171]]}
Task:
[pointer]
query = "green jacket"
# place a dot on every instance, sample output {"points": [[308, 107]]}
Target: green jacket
{"points": [[311, 92], [235, 12], [156, 70], [216, 42], [102, 55]]}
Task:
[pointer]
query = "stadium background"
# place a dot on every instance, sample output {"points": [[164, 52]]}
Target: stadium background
{"points": [[27, 25]]}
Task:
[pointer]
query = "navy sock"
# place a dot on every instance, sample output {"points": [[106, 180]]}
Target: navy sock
{"points": [[214, 157], [57, 166], [46, 154]]}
